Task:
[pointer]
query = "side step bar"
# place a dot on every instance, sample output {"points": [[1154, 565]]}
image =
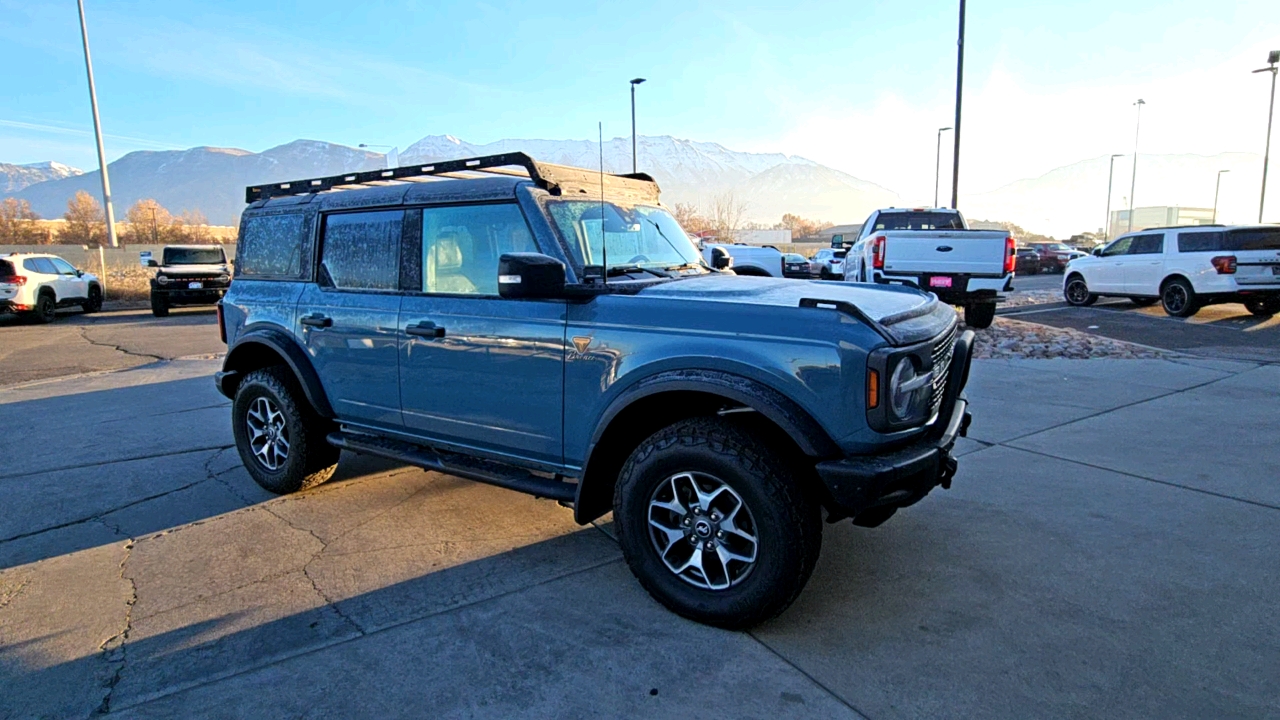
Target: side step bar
{"points": [[485, 471]]}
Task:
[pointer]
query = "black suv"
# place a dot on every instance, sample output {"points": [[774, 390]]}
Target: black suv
{"points": [[187, 275]]}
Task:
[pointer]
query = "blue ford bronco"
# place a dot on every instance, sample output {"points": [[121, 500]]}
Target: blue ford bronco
{"points": [[552, 330]]}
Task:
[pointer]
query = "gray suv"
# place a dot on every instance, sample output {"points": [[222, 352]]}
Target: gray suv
{"points": [[553, 331]]}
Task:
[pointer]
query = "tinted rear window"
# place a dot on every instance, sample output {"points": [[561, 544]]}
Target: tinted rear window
{"points": [[1230, 240], [6, 269], [274, 246], [919, 221], [193, 256], [361, 250]]}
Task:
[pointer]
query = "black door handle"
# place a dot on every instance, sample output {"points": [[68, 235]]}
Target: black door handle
{"points": [[317, 320], [426, 328]]}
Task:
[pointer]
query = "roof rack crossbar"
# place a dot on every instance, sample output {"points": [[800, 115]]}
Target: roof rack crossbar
{"points": [[496, 164]]}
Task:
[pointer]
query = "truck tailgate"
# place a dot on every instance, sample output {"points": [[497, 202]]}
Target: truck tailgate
{"points": [[941, 252]]}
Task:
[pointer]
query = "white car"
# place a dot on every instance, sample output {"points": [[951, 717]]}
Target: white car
{"points": [[36, 284], [828, 264], [1183, 268]]}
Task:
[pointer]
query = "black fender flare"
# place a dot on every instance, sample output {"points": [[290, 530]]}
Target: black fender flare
{"points": [[282, 344], [595, 493]]}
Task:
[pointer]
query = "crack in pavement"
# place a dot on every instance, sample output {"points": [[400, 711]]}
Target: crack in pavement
{"points": [[101, 463], [84, 329], [114, 648]]}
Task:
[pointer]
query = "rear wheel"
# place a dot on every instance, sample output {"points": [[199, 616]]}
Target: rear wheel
{"points": [[93, 303], [1077, 294], [45, 310], [1262, 307], [979, 315], [280, 439], [1178, 298], [714, 524], [159, 305]]}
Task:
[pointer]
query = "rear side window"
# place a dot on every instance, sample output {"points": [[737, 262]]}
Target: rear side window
{"points": [[361, 250], [1200, 242], [1147, 245], [6, 269], [1254, 239], [39, 265], [273, 246]]}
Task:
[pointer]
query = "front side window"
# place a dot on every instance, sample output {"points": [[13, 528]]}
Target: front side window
{"points": [[361, 250], [1118, 247], [1147, 245], [62, 266], [461, 246], [273, 246], [639, 236]]}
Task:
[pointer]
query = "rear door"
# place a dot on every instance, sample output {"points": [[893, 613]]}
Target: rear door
{"points": [[1143, 265], [477, 371], [347, 318]]}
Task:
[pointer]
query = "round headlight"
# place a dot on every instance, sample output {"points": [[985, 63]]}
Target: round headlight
{"points": [[900, 392], [162, 279]]}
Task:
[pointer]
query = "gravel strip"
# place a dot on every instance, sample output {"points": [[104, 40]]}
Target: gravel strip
{"points": [[1007, 338], [1019, 298]]}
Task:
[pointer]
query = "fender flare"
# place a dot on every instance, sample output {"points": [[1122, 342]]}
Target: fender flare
{"points": [[282, 344]]}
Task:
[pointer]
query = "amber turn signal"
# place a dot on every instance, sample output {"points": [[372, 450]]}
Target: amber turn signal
{"points": [[873, 389]]}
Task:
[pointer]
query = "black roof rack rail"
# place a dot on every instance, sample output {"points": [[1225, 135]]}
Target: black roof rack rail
{"points": [[550, 177], [1179, 227]]}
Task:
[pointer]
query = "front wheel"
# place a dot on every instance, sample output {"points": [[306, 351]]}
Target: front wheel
{"points": [[159, 305], [1077, 294], [1262, 307], [1178, 298], [979, 315], [93, 303], [714, 523], [280, 439]]}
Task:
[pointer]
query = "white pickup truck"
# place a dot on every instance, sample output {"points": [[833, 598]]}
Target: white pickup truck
{"points": [[932, 249], [747, 259]]}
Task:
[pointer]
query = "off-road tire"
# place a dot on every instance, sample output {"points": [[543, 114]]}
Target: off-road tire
{"points": [[310, 460], [979, 315], [787, 520], [1081, 297], [93, 303], [1178, 298], [159, 305], [1262, 307], [1144, 301], [45, 310]]}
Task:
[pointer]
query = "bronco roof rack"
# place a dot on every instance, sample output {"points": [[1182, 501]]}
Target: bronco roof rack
{"points": [[556, 179]]}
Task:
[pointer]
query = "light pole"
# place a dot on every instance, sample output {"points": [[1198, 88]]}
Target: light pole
{"points": [[955, 156], [1133, 179], [1216, 186], [391, 158], [97, 133], [1106, 232], [937, 166], [634, 83], [1272, 59]]}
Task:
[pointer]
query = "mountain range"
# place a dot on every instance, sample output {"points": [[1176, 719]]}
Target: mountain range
{"points": [[14, 178]]}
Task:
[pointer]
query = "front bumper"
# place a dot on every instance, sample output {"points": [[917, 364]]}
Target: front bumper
{"points": [[870, 488]]}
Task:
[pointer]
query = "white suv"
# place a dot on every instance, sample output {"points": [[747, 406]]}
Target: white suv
{"points": [[828, 264], [35, 285], [1183, 268]]}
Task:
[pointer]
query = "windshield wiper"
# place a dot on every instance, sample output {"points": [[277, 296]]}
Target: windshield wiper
{"points": [[615, 270], [686, 266]]}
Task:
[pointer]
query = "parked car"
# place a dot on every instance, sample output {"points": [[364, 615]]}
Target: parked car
{"points": [[35, 285], [1053, 256], [795, 265], [933, 249], [187, 275], [1028, 262], [474, 327], [828, 263], [745, 259], [1184, 269]]}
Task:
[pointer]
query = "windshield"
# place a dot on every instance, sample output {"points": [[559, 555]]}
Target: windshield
{"points": [[919, 221], [639, 236], [194, 256]]}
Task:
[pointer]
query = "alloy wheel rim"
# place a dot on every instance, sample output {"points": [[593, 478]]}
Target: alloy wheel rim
{"points": [[1078, 291], [268, 433], [703, 530], [1175, 298]]}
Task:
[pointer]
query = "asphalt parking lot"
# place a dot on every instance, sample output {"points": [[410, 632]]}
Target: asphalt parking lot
{"points": [[1108, 549]]}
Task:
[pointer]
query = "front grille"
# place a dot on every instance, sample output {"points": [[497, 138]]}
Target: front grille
{"points": [[943, 349]]}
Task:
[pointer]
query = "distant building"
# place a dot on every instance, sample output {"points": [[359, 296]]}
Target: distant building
{"points": [[850, 233], [984, 225], [1158, 216], [762, 237]]}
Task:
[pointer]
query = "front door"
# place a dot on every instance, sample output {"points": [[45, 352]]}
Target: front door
{"points": [[71, 285], [477, 371], [1108, 271], [1144, 265], [347, 319]]}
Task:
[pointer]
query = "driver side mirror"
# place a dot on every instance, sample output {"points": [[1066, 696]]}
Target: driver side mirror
{"points": [[79, 273], [530, 276], [721, 259], [1097, 251]]}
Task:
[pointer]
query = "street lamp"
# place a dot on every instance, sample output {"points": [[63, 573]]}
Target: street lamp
{"points": [[937, 166], [1272, 60], [1133, 179], [1216, 186], [955, 155], [97, 132], [634, 83], [1106, 233]]}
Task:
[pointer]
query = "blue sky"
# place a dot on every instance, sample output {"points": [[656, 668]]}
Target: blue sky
{"points": [[859, 86]]}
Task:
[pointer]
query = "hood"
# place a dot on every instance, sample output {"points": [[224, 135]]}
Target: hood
{"points": [[902, 315]]}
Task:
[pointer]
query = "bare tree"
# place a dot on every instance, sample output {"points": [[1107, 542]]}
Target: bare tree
{"points": [[86, 223], [193, 227], [727, 213], [18, 223], [149, 222], [690, 219]]}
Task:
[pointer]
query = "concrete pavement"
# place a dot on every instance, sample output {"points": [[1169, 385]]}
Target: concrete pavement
{"points": [[1107, 549]]}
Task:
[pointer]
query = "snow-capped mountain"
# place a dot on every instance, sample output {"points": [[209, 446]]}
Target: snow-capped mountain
{"points": [[16, 177]]}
